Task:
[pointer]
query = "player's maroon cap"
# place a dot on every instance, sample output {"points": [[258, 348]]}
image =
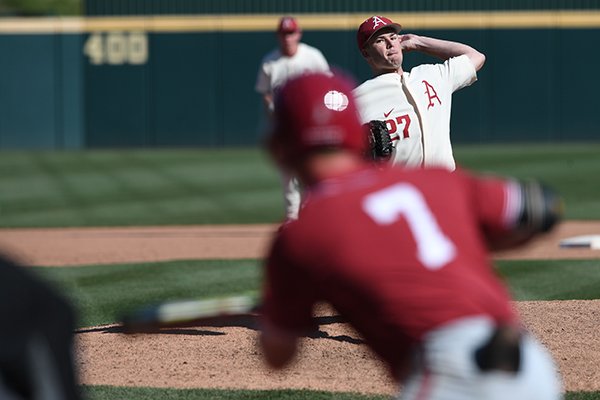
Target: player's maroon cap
{"points": [[316, 111], [288, 25], [371, 26]]}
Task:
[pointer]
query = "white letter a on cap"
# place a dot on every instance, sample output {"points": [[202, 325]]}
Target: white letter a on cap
{"points": [[377, 21]]}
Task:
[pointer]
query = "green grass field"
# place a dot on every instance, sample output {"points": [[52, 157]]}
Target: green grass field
{"points": [[108, 392], [171, 187], [103, 293], [114, 188]]}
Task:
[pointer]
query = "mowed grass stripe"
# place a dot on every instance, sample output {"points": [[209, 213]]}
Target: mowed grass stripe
{"points": [[141, 393], [102, 293], [138, 188], [552, 279], [224, 186], [131, 393]]}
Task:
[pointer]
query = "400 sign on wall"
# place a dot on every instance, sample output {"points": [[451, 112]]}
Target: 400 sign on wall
{"points": [[148, 89], [117, 89], [117, 48]]}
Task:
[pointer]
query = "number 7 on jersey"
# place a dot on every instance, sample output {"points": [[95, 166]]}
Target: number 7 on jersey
{"points": [[434, 248]]}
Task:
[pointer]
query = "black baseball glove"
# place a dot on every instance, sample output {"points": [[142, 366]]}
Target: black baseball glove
{"points": [[380, 143]]}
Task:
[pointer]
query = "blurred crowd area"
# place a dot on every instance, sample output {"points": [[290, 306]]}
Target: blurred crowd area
{"points": [[23, 8]]}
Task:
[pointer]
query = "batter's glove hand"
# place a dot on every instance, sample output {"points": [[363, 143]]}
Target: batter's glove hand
{"points": [[380, 143]]}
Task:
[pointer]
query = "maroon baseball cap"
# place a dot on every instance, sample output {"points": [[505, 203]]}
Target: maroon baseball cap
{"points": [[288, 25], [371, 26], [315, 111]]}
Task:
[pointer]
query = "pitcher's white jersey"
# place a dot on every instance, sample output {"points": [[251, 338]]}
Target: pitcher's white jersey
{"points": [[276, 68], [416, 108]]}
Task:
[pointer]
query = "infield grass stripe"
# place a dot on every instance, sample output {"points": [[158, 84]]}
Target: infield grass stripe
{"points": [[130, 393], [225, 186], [552, 279], [139, 188], [102, 293], [582, 396]]}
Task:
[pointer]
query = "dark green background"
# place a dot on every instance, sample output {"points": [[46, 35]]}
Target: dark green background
{"points": [[197, 88], [135, 7], [202, 87]]}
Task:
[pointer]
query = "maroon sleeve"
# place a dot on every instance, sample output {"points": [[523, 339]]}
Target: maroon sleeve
{"points": [[496, 203], [288, 293]]}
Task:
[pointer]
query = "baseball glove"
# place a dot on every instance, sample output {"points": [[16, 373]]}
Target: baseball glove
{"points": [[380, 143]]}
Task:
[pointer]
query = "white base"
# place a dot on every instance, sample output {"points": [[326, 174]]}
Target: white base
{"points": [[585, 241]]}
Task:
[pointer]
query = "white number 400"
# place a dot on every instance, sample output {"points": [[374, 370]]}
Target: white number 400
{"points": [[116, 48], [434, 249]]}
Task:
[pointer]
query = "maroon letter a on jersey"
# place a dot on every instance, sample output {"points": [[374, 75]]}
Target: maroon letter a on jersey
{"points": [[431, 94]]}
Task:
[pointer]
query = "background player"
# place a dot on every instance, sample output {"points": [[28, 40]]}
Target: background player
{"points": [[290, 59], [429, 305], [415, 105]]}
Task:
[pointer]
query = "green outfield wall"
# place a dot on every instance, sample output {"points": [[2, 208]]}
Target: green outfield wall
{"points": [[188, 80], [136, 7]]}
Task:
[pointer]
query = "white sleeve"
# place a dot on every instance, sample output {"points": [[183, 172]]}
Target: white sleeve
{"points": [[372, 97], [263, 82], [322, 61], [461, 72], [313, 59]]}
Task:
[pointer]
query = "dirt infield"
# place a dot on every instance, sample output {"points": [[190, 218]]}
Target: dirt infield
{"points": [[84, 246], [226, 356]]}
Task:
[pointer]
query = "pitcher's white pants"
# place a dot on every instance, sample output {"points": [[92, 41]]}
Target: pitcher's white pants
{"points": [[450, 373]]}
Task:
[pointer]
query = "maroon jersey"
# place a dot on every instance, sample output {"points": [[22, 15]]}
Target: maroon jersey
{"points": [[397, 252]]}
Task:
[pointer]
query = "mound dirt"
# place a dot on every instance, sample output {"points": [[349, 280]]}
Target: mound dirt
{"points": [[226, 355]]}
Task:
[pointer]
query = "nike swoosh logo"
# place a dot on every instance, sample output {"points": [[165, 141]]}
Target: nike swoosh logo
{"points": [[388, 113]]}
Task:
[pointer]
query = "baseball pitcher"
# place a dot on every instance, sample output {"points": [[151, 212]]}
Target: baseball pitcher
{"points": [[416, 104]]}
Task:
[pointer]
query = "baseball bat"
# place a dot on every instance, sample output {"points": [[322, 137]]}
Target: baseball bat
{"points": [[188, 312]]}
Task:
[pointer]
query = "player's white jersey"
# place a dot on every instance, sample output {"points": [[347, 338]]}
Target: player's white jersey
{"points": [[416, 108], [276, 68]]}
